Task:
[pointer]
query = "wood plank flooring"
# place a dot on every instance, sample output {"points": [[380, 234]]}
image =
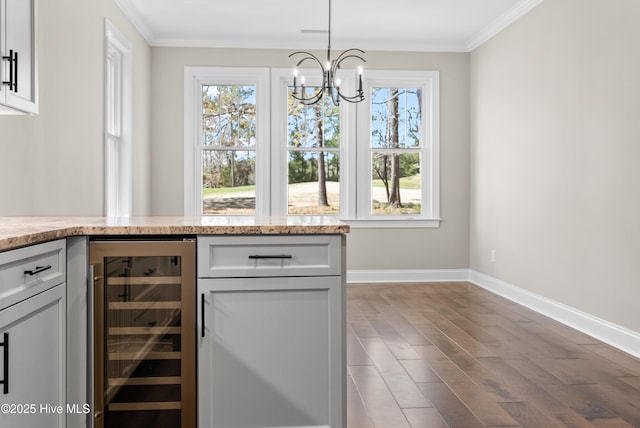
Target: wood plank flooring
{"points": [[455, 355]]}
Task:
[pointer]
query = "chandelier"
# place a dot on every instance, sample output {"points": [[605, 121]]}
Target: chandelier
{"points": [[330, 83]]}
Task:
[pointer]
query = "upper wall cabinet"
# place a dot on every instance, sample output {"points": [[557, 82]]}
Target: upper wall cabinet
{"points": [[18, 73]]}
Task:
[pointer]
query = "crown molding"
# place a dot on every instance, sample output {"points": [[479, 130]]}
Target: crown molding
{"points": [[508, 18], [132, 15]]}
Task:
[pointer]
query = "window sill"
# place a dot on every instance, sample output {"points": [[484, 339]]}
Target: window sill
{"points": [[393, 223]]}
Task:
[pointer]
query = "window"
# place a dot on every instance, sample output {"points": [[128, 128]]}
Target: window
{"points": [[227, 141], [398, 147], [117, 124], [242, 158], [309, 149], [228, 149], [313, 157]]}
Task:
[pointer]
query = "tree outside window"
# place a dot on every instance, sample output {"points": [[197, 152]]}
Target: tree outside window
{"points": [[313, 145], [228, 149], [396, 143]]}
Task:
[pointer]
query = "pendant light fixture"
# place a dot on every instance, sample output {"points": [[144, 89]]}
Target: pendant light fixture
{"points": [[330, 83]]}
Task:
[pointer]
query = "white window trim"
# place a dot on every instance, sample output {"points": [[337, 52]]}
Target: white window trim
{"points": [[118, 184], [281, 79], [429, 81], [271, 149], [194, 78]]}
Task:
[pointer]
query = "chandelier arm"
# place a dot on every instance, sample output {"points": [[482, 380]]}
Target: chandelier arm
{"points": [[318, 94], [348, 51], [342, 58], [354, 99], [335, 64], [310, 101], [309, 56], [357, 96]]}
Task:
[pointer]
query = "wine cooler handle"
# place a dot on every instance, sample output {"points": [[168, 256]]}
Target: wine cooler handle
{"points": [[5, 380], [91, 284], [202, 316]]}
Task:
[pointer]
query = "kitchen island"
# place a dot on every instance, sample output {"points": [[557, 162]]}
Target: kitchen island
{"points": [[262, 309]]}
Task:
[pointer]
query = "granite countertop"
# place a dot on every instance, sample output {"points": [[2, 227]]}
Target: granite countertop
{"points": [[21, 231]]}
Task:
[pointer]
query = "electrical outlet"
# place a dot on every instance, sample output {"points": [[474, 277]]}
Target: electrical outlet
{"points": [[493, 256]]}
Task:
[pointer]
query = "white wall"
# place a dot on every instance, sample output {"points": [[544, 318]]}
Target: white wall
{"points": [[555, 149], [52, 163], [446, 247]]}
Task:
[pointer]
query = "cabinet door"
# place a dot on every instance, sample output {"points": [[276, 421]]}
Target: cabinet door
{"points": [[271, 352], [35, 367], [20, 40]]}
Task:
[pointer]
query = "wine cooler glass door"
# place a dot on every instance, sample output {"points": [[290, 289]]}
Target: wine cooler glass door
{"points": [[144, 324]]}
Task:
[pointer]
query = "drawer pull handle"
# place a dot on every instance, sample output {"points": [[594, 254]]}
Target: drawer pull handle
{"points": [[274, 256], [5, 381], [38, 269]]}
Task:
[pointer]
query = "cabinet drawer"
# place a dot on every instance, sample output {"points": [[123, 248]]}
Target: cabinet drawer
{"points": [[254, 256], [28, 271]]}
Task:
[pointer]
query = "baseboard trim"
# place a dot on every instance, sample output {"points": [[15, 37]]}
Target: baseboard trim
{"points": [[408, 275], [619, 337]]}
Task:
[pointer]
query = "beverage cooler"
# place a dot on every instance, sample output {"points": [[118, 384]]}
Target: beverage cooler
{"points": [[144, 333]]}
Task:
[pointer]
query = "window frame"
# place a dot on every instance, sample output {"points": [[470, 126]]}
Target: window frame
{"points": [[429, 81], [355, 149], [281, 79], [194, 79], [118, 150]]}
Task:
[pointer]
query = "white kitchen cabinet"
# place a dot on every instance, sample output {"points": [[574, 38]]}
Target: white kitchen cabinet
{"points": [[18, 73], [271, 336], [33, 337]]}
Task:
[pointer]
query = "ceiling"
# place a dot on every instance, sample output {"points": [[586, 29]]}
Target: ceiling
{"points": [[402, 25]]}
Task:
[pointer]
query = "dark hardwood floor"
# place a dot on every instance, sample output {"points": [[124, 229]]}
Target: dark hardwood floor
{"points": [[453, 354]]}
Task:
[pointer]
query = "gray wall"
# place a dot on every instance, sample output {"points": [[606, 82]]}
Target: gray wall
{"points": [[52, 163], [555, 150], [446, 247]]}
